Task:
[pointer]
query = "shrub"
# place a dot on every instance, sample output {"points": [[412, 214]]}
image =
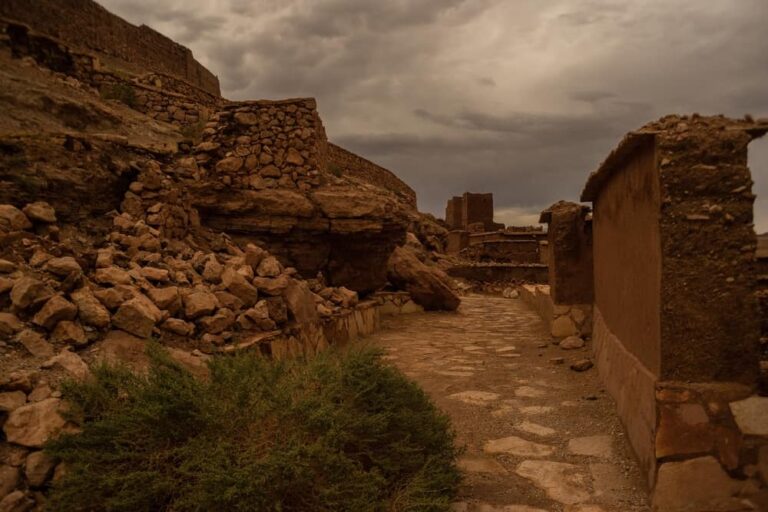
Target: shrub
{"points": [[121, 92], [341, 432]]}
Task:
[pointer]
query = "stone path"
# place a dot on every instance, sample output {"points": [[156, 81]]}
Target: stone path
{"points": [[539, 437]]}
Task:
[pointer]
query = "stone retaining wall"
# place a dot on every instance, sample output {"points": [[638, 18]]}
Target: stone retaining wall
{"points": [[88, 26], [350, 164]]}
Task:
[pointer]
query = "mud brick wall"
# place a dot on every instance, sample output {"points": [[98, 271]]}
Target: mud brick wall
{"points": [[674, 250], [353, 165], [477, 208], [504, 251], [87, 25], [570, 251], [266, 144], [453, 213]]}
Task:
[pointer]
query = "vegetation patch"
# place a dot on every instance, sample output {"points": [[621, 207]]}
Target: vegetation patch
{"points": [[121, 92], [339, 432]]}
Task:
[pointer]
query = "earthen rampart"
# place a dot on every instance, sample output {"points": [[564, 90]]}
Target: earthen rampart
{"points": [[88, 26]]}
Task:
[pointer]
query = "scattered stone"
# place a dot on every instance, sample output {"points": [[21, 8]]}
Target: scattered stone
{"points": [[199, 303], [212, 271], [240, 287], [137, 316], [571, 343], [89, 309], [581, 365], [12, 218], [112, 298], [269, 267], [29, 292], [9, 480], [563, 327], [270, 286], [179, 327], [562, 482], [62, 266], [218, 323], [17, 501], [529, 392], [6, 267], [40, 211], [38, 468], [10, 324], [167, 298], [112, 276], [514, 445], [557, 360], [157, 275], [33, 424], [67, 331], [70, 362], [11, 400], [592, 446], [54, 311], [35, 343]]}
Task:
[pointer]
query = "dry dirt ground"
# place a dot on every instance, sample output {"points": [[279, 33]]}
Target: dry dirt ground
{"points": [[538, 436]]}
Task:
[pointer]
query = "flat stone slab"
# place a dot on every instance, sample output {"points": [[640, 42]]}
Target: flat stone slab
{"points": [[475, 397], [592, 446], [533, 410], [535, 428], [514, 445], [529, 392], [479, 464], [449, 373], [562, 482], [751, 415]]}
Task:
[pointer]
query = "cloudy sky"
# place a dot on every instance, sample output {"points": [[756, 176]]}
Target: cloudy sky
{"points": [[522, 98]]}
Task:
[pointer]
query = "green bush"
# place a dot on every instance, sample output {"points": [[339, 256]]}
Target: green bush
{"points": [[340, 432], [121, 92]]}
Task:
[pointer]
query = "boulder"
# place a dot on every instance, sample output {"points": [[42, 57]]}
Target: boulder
{"points": [[237, 285], [137, 316], [29, 292], [6, 267], [11, 400], [199, 303], [38, 468], [112, 276], [218, 323], [269, 267], [35, 343], [40, 211], [70, 362], [179, 327], [33, 424], [9, 480], [428, 286], [300, 302], [10, 324], [13, 219], [54, 311], [167, 298], [89, 309], [70, 332], [62, 266]]}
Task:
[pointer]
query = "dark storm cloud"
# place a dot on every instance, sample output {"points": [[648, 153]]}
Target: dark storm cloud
{"points": [[520, 98]]}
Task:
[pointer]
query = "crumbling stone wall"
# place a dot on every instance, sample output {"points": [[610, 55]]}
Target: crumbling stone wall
{"points": [[87, 25], [158, 95], [350, 164], [675, 318]]}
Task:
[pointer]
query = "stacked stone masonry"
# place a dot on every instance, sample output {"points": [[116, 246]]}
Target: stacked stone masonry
{"points": [[350, 164], [86, 25]]}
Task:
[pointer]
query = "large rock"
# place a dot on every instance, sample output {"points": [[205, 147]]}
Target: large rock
{"points": [[29, 292], [428, 286], [33, 424], [54, 311], [89, 309], [346, 232], [137, 316], [13, 219], [40, 211]]}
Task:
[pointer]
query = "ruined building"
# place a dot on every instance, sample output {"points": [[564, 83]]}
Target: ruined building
{"points": [[471, 212]]}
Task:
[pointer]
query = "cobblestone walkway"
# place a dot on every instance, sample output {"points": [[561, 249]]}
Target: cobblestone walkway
{"points": [[539, 437]]}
